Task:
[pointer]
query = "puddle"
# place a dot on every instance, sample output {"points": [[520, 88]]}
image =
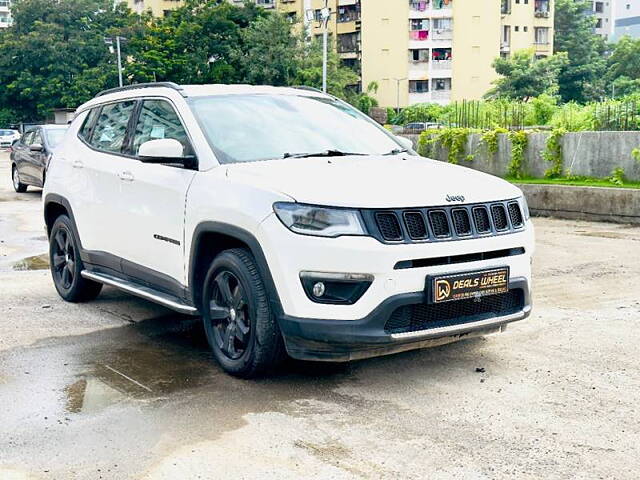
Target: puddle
{"points": [[37, 262], [167, 356], [90, 395]]}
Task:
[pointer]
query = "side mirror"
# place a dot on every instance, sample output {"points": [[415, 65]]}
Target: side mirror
{"points": [[165, 150], [36, 147], [405, 142], [162, 148]]}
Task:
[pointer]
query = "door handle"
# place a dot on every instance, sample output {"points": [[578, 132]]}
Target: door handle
{"points": [[77, 164], [126, 176]]}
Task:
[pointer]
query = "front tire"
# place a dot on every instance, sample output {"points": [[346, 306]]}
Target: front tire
{"points": [[18, 186], [66, 265], [240, 326]]}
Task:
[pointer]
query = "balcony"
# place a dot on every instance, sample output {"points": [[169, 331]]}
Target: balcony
{"points": [[440, 35], [542, 9], [442, 64], [441, 95]]}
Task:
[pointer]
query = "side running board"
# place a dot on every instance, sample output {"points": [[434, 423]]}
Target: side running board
{"points": [[141, 291]]}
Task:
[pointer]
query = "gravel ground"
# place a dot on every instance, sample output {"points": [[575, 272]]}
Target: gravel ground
{"points": [[121, 388]]}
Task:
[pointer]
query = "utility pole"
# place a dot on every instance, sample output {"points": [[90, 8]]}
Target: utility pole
{"points": [[119, 60], [109, 41], [326, 15], [398, 80]]}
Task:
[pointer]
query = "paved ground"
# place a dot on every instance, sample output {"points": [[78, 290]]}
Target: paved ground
{"points": [[123, 389]]}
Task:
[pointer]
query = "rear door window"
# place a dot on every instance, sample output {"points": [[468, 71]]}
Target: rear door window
{"points": [[85, 131], [111, 127]]}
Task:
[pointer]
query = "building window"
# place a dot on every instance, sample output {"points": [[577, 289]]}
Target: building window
{"points": [[441, 84], [598, 7], [506, 35], [418, 86], [419, 29], [542, 35], [419, 55]]}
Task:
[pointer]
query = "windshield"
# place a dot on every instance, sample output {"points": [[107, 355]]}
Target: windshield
{"points": [[247, 128], [54, 136], [6, 133]]}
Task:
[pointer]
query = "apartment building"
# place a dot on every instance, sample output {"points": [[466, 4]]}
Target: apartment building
{"points": [[627, 19], [420, 50], [5, 13], [603, 13], [442, 50]]}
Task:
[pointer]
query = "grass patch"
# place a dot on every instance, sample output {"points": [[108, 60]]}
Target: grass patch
{"points": [[576, 181]]}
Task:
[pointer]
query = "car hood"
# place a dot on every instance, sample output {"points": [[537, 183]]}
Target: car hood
{"points": [[374, 181]]}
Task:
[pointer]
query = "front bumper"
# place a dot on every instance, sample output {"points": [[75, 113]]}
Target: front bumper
{"points": [[345, 340]]}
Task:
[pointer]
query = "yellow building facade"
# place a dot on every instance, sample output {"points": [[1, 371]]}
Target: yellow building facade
{"points": [[442, 50], [157, 7], [419, 50]]}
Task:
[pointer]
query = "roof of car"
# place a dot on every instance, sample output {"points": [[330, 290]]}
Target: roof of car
{"points": [[141, 90]]}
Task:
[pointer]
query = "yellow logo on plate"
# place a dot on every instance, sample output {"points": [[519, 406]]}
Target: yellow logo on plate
{"points": [[443, 290]]}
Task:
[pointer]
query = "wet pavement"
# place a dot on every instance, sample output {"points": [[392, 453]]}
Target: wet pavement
{"points": [[120, 388]]}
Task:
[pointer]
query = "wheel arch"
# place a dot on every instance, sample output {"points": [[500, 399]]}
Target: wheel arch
{"points": [[54, 206], [212, 238]]}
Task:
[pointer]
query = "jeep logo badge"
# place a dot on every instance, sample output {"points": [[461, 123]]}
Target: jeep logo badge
{"points": [[455, 198]]}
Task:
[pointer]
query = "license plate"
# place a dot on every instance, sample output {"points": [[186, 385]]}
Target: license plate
{"points": [[461, 286]]}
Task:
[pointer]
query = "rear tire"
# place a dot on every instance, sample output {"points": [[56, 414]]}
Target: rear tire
{"points": [[66, 265], [240, 326], [18, 186]]}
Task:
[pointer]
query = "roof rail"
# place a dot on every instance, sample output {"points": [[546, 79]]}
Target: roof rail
{"points": [[136, 86], [304, 87]]}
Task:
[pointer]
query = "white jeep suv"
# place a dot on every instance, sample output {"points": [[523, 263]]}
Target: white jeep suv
{"points": [[287, 219]]}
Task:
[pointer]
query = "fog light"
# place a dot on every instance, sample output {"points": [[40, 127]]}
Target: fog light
{"points": [[335, 288], [319, 289]]}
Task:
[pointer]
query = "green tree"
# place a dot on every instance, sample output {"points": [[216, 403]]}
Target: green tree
{"points": [[581, 79], [341, 80], [271, 52], [365, 100], [196, 44], [523, 76], [55, 56]]}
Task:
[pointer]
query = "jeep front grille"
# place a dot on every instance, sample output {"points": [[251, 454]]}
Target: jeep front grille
{"points": [[499, 217], [444, 223], [389, 226], [416, 226], [515, 214]]}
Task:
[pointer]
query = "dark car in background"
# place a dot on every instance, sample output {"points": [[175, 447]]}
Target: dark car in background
{"points": [[30, 155]]}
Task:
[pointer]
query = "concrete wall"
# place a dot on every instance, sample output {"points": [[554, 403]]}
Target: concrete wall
{"points": [[619, 205], [592, 154]]}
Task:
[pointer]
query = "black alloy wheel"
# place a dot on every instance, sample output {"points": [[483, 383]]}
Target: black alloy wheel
{"points": [[66, 264], [229, 314], [241, 329], [64, 259]]}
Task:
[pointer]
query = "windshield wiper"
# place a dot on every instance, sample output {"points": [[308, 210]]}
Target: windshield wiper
{"points": [[326, 153], [396, 151]]}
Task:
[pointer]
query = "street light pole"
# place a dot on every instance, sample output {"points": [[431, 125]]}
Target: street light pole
{"points": [[109, 41], [398, 80], [119, 61], [326, 14]]}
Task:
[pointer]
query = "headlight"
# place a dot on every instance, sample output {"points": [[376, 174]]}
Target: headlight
{"points": [[525, 207], [319, 221]]}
